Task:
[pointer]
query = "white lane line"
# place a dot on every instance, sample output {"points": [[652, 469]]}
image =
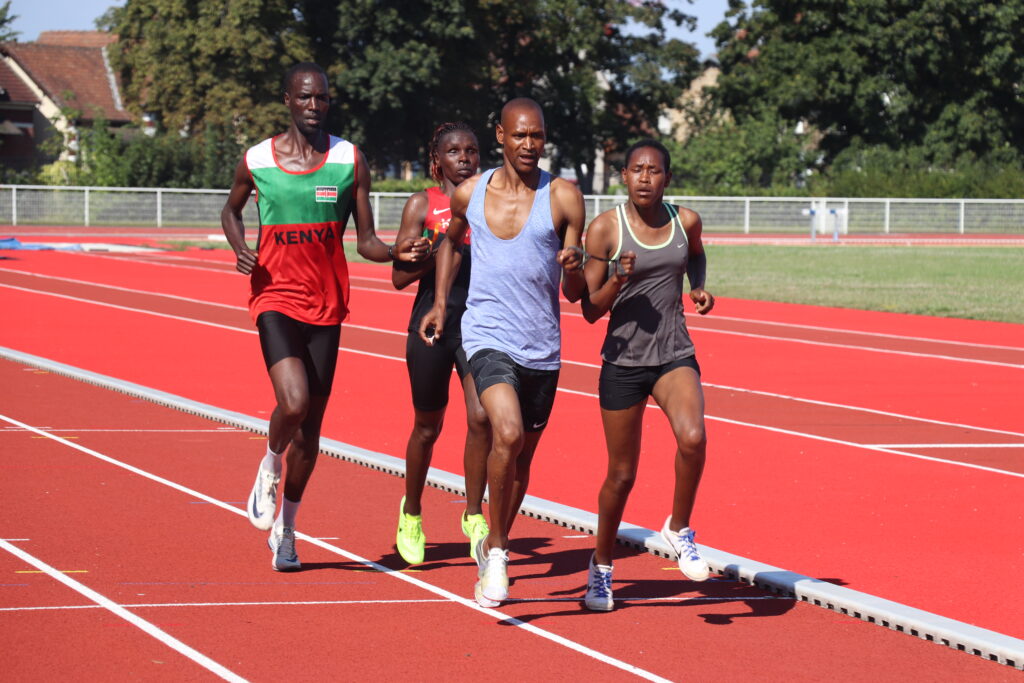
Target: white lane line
{"points": [[139, 431], [425, 601], [140, 623], [947, 445], [452, 597], [568, 391], [565, 361]]}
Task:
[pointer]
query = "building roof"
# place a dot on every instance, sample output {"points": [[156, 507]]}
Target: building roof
{"points": [[13, 89], [74, 77], [76, 38]]}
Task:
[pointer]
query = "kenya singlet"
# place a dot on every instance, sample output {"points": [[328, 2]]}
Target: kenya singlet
{"points": [[435, 225], [302, 271]]}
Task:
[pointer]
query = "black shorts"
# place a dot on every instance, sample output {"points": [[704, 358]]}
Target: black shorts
{"points": [[535, 388], [315, 345], [430, 369], [621, 386]]}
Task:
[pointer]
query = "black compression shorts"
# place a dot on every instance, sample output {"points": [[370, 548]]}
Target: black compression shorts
{"points": [[621, 386], [535, 388], [315, 345], [430, 369]]}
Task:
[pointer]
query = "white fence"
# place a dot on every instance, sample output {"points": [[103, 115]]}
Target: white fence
{"points": [[149, 207]]}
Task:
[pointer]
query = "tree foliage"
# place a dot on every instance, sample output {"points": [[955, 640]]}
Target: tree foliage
{"points": [[400, 68], [941, 77], [6, 18]]}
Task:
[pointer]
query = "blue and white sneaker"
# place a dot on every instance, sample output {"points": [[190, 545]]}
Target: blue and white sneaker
{"points": [[282, 543], [690, 562], [262, 502], [492, 573], [599, 587]]}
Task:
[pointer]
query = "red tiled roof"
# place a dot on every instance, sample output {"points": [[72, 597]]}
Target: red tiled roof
{"points": [[15, 89], [76, 38], [74, 77]]}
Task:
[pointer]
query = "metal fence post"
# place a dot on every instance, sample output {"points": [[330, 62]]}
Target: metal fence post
{"points": [[746, 216], [87, 207], [376, 209], [159, 208], [886, 216], [962, 205], [14, 206]]}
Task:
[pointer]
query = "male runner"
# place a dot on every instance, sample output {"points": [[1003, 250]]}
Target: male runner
{"points": [[307, 182], [526, 231]]}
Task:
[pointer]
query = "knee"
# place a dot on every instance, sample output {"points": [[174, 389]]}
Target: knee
{"points": [[426, 432], [294, 406], [507, 438], [620, 482], [692, 441], [477, 424]]}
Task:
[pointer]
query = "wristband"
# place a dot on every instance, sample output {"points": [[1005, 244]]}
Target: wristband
{"points": [[391, 254]]}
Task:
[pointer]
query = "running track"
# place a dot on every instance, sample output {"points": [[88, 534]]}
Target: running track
{"points": [[814, 416]]}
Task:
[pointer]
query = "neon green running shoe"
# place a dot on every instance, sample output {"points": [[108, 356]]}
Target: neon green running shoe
{"points": [[410, 540], [474, 527]]}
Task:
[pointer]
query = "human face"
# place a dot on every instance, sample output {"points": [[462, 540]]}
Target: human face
{"points": [[307, 100], [646, 177], [521, 136], [458, 155]]}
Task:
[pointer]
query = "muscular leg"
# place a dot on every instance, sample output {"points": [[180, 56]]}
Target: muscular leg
{"points": [[291, 390], [418, 453], [478, 445], [681, 397], [501, 403], [305, 446], [622, 429], [522, 478]]}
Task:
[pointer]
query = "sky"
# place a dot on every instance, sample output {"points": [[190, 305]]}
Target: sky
{"points": [[78, 15]]}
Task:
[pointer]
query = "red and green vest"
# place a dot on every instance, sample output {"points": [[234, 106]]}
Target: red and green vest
{"points": [[302, 271]]}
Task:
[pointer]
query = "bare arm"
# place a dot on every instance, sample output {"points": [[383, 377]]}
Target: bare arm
{"points": [[602, 241], [368, 244], [447, 261], [231, 218], [697, 261], [570, 203], [404, 274]]}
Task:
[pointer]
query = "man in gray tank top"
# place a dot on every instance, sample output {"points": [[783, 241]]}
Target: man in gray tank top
{"points": [[526, 237]]}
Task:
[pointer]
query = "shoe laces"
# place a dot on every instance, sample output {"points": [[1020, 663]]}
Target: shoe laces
{"points": [[688, 547], [286, 543], [270, 480], [600, 583], [496, 563], [477, 524]]}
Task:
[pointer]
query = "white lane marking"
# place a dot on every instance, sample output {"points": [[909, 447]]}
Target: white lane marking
{"points": [[452, 597], [948, 445], [142, 431], [568, 391], [425, 601], [565, 361], [140, 623]]}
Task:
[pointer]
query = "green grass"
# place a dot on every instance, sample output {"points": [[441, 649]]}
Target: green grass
{"points": [[980, 283]]}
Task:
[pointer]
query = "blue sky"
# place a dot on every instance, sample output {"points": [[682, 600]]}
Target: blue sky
{"points": [[78, 15]]}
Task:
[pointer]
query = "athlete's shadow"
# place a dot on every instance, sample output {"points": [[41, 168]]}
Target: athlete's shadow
{"points": [[344, 566]]}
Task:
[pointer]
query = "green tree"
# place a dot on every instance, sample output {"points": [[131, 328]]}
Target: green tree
{"points": [[943, 76], [6, 18]]}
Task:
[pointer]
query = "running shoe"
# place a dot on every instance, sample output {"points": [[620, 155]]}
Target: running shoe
{"points": [[282, 543], [410, 540], [474, 527], [599, 587], [690, 562], [263, 499], [492, 572]]}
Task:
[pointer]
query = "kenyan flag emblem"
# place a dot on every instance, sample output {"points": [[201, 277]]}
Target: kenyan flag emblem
{"points": [[327, 193]]}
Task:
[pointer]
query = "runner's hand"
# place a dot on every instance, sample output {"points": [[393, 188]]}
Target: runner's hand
{"points": [[245, 260], [624, 266], [571, 259], [431, 326], [411, 249], [703, 301]]}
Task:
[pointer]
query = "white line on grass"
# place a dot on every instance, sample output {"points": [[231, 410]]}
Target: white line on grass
{"points": [[452, 597], [108, 604], [815, 437]]}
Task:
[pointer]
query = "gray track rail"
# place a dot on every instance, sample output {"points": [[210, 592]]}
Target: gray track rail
{"points": [[892, 615]]}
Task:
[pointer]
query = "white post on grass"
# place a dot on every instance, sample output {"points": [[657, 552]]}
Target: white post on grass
{"points": [[886, 216], [86, 207], [962, 203], [159, 208], [14, 206], [810, 212], [746, 216]]}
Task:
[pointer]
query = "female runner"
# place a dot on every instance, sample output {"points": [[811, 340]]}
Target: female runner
{"points": [[638, 254], [454, 157]]}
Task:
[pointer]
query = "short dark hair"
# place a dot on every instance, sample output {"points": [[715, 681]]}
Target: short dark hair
{"points": [[301, 68], [644, 144]]}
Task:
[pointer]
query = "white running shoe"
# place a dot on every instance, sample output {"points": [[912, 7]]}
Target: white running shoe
{"points": [[263, 499], [690, 562], [492, 572], [283, 546], [599, 587]]}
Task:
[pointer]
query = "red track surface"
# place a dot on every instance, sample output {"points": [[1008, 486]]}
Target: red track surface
{"points": [[811, 498]]}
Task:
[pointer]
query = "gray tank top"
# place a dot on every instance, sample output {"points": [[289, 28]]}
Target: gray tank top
{"points": [[513, 288], [647, 327]]}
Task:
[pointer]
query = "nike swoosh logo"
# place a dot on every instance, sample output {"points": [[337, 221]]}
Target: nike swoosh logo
{"points": [[255, 510], [540, 424], [680, 246], [437, 211]]}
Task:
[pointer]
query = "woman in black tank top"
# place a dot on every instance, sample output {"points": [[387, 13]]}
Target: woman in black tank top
{"points": [[637, 256], [454, 157]]}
